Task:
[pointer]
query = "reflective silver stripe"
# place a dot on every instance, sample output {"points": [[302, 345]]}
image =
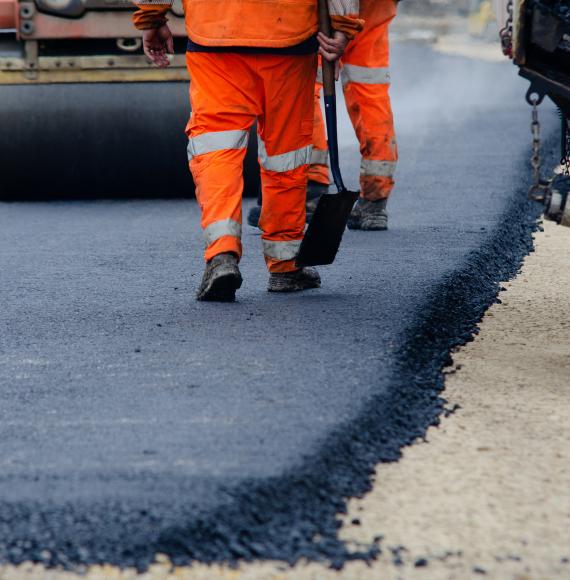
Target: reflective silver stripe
{"points": [[160, 2], [217, 141], [320, 75], [221, 228], [319, 157], [377, 168], [281, 250], [352, 73], [284, 161]]}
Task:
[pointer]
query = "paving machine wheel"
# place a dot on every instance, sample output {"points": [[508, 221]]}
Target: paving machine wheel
{"points": [[536, 35], [565, 220], [82, 110], [557, 206], [554, 204]]}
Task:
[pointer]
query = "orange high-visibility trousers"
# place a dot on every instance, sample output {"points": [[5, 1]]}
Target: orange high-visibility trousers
{"points": [[366, 81], [228, 93]]}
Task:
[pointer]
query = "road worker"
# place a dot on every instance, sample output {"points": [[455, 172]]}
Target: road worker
{"points": [[250, 60], [366, 80]]}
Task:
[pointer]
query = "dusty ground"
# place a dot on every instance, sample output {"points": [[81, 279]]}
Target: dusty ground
{"points": [[488, 492], [468, 47], [476, 37]]}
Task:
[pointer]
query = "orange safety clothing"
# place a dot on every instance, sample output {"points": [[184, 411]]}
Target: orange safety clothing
{"points": [[258, 23], [366, 80], [228, 93], [231, 90]]}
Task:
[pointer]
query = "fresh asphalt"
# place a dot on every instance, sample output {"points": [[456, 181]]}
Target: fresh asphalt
{"points": [[135, 420]]}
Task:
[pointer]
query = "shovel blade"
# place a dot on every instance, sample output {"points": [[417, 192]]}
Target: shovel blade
{"points": [[324, 234]]}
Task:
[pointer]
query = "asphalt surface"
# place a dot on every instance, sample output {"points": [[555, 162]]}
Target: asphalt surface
{"points": [[134, 420]]}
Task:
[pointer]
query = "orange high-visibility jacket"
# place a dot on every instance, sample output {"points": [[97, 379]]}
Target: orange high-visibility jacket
{"points": [[259, 23]]}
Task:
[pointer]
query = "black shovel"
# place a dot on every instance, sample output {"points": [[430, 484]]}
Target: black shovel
{"points": [[324, 234]]}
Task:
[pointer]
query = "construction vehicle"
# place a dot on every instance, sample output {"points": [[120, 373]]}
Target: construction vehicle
{"points": [[83, 111], [536, 35]]}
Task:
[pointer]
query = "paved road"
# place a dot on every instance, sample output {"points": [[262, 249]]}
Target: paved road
{"points": [[135, 420]]}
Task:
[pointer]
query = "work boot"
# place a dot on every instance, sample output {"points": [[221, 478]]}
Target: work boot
{"points": [[221, 279], [314, 192], [302, 279], [253, 216], [369, 215]]}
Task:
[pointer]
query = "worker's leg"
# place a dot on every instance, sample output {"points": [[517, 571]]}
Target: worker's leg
{"points": [[223, 97], [285, 133], [222, 114], [366, 82], [318, 177]]}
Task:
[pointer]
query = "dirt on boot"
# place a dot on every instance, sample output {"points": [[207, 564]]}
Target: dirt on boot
{"points": [[302, 279], [369, 215], [221, 279]]}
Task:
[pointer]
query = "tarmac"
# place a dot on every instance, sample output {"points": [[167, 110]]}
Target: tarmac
{"points": [[136, 421]]}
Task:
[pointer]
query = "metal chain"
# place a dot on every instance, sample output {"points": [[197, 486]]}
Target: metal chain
{"points": [[539, 188], [506, 33]]}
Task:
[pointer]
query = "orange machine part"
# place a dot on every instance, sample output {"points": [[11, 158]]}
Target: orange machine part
{"points": [[8, 11], [91, 25]]}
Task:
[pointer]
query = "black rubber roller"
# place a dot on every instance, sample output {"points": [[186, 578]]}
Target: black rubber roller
{"points": [[99, 140]]}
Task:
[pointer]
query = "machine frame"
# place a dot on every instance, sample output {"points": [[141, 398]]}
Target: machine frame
{"points": [[79, 41]]}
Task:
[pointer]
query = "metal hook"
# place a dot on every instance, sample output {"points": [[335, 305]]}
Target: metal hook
{"points": [[534, 96]]}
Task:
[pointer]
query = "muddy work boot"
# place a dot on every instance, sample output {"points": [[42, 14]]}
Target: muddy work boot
{"points": [[369, 215], [253, 216], [221, 279], [302, 279]]}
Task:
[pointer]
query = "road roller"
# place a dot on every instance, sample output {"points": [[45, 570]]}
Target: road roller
{"points": [[536, 35], [83, 112]]}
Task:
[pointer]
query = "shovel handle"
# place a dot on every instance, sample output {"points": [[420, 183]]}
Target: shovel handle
{"points": [[330, 99], [328, 67]]}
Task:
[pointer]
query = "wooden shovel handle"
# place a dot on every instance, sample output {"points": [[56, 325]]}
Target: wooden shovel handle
{"points": [[328, 67]]}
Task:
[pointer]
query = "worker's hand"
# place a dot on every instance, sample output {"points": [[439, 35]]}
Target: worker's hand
{"points": [[157, 43], [332, 49]]}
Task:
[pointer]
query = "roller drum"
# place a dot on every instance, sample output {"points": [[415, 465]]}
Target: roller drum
{"points": [[98, 140]]}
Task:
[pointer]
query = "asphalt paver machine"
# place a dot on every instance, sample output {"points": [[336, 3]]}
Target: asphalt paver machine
{"points": [[82, 110], [536, 35]]}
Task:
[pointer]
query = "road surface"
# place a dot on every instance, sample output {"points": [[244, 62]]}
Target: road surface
{"points": [[135, 420]]}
